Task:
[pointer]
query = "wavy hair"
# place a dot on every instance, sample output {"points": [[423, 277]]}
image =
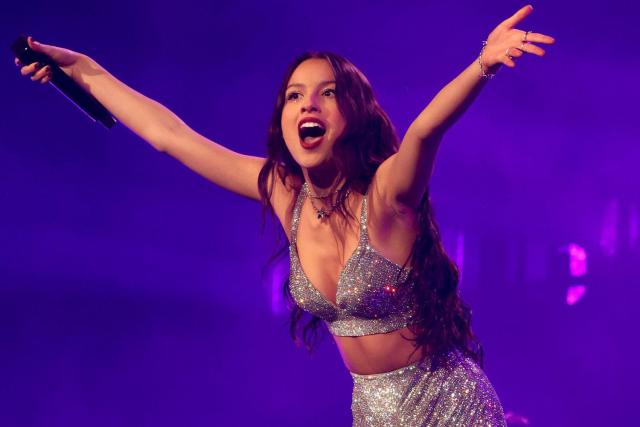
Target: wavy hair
{"points": [[442, 321]]}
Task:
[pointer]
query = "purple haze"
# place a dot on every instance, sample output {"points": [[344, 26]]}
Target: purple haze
{"points": [[135, 293]]}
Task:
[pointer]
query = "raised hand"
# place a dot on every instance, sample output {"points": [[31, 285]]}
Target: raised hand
{"points": [[506, 43], [64, 58]]}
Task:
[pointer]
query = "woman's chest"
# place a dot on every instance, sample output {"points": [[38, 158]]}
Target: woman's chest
{"points": [[324, 252]]}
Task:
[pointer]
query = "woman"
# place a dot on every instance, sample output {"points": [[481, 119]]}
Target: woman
{"points": [[366, 256]]}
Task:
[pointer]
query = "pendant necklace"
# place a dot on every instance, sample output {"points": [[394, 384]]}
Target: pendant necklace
{"points": [[322, 213]]}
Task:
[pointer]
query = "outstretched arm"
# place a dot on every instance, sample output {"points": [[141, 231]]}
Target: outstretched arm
{"points": [[153, 122], [404, 177]]}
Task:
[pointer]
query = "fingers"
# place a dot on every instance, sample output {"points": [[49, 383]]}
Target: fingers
{"points": [[47, 78], [41, 73], [33, 44], [508, 56], [31, 68], [39, 47], [509, 44], [538, 38], [514, 53], [518, 17], [531, 48], [528, 46]]}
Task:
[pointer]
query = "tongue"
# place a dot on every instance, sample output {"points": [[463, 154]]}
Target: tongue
{"points": [[311, 132], [311, 140]]}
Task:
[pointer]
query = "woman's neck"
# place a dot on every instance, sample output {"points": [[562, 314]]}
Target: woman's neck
{"points": [[323, 183]]}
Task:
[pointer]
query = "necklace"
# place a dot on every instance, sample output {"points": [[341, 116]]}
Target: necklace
{"points": [[326, 196], [322, 213]]}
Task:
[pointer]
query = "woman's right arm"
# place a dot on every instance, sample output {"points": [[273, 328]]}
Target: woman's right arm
{"points": [[153, 122]]}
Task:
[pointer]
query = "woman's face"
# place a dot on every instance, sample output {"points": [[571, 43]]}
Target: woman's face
{"points": [[311, 121]]}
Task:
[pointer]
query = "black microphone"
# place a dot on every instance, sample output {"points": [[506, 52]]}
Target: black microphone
{"points": [[65, 84]]}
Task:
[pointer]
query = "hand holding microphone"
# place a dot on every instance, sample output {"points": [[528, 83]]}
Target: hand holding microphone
{"points": [[53, 64]]}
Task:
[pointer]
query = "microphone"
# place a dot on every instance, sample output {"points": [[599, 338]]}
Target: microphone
{"points": [[65, 84]]}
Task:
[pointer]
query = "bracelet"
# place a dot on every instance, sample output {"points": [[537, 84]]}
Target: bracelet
{"points": [[484, 73]]}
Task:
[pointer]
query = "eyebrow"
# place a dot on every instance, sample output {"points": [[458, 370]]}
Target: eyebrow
{"points": [[322, 83]]}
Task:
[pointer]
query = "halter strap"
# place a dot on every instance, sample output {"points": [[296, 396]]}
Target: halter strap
{"points": [[295, 221]]}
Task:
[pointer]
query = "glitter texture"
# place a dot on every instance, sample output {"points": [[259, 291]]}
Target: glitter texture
{"points": [[453, 392], [371, 296]]}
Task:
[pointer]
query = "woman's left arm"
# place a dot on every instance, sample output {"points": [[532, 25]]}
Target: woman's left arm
{"points": [[403, 178]]}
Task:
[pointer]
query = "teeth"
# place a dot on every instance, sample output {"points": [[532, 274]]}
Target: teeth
{"points": [[311, 129], [310, 125]]}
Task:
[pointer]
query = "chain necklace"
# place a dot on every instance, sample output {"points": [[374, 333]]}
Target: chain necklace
{"points": [[326, 196], [322, 213]]}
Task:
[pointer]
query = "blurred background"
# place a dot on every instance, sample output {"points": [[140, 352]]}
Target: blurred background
{"points": [[135, 293]]}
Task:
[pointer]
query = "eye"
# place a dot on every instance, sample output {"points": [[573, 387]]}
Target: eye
{"points": [[329, 92], [293, 96]]}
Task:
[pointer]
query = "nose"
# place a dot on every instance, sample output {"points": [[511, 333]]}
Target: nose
{"points": [[309, 105]]}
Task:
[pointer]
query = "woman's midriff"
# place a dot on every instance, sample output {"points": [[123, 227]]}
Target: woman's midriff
{"points": [[374, 354]]}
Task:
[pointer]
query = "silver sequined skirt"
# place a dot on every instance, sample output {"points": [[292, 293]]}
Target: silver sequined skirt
{"points": [[454, 392]]}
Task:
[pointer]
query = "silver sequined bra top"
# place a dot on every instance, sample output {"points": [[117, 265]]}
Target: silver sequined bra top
{"points": [[371, 296]]}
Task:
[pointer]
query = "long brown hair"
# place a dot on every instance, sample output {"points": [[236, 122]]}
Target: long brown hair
{"points": [[442, 322]]}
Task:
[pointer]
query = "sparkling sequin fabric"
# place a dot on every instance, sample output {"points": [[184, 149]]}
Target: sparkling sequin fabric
{"points": [[454, 392], [371, 297]]}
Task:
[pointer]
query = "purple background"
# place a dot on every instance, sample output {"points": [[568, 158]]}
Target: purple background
{"points": [[135, 293]]}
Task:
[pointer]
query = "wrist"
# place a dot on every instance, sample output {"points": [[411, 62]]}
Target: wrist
{"points": [[488, 69], [83, 67], [83, 63]]}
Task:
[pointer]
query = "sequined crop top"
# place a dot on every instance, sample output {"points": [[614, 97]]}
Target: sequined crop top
{"points": [[371, 296]]}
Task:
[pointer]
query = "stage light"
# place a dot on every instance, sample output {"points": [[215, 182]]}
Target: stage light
{"points": [[575, 293], [577, 266]]}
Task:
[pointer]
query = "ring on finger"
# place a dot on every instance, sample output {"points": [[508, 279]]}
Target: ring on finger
{"points": [[522, 47], [524, 39]]}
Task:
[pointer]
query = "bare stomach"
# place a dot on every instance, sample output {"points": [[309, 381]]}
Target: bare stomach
{"points": [[374, 354]]}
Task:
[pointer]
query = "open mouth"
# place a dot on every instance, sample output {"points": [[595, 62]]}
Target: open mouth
{"points": [[311, 131]]}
